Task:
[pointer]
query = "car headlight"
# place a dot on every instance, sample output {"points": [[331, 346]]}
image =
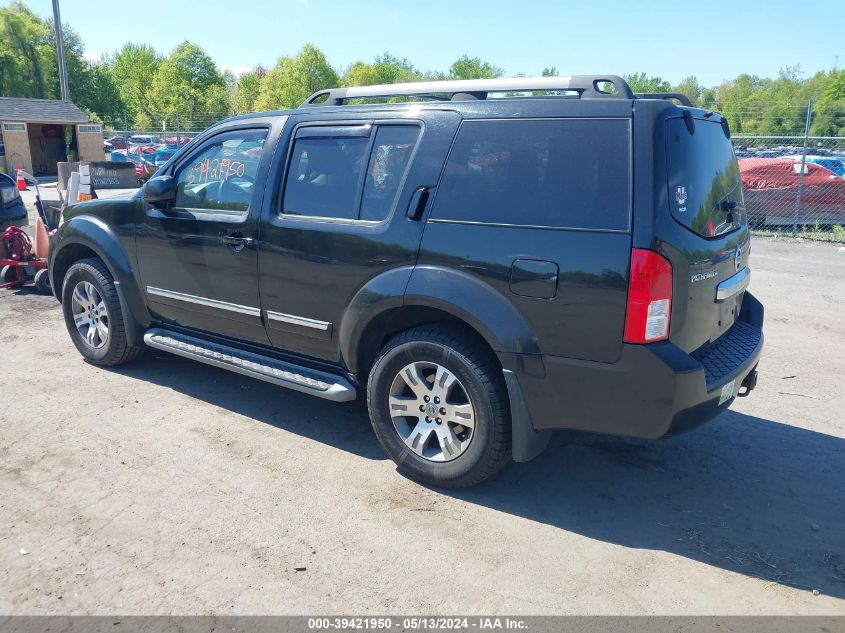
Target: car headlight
{"points": [[8, 194]]}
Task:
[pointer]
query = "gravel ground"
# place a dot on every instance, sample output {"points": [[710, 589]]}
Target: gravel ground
{"points": [[168, 487]]}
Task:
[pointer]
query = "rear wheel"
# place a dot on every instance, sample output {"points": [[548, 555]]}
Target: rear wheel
{"points": [[93, 315], [438, 405]]}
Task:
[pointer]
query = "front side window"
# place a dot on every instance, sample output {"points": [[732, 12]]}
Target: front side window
{"points": [[564, 173], [221, 176], [348, 173]]}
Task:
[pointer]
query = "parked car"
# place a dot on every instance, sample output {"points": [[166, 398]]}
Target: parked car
{"points": [[116, 142], [836, 165], [520, 269], [771, 192], [144, 139], [12, 208], [162, 154], [144, 168]]}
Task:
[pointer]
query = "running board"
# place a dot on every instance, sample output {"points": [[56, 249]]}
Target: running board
{"points": [[311, 381]]}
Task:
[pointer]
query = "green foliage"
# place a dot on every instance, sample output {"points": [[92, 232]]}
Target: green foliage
{"points": [[640, 82], [692, 89], [189, 84], [27, 55], [246, 92], [133, 69], [474, 68], [385, 69], [294, 79]]}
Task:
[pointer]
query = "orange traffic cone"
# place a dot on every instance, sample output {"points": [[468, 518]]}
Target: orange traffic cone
{"points": [[21, 179]]}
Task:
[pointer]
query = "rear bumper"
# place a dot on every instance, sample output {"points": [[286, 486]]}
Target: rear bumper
{"points": [[651, 391]]}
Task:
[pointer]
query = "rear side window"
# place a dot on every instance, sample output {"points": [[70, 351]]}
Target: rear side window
{"points": [[704, 184], [564, 173], [348, 172], [389, 162]]}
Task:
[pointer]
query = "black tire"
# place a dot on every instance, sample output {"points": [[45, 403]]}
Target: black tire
{"points": [[8, 274], [41, 281], [479, 375], [115, 349]]}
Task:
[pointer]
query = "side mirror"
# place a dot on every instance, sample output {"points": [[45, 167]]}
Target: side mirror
{"points": [[160, 190]]}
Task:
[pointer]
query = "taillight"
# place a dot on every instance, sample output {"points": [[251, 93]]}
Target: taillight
{"points": [[649, 297]]}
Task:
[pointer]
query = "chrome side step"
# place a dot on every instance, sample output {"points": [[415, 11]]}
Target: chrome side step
{"points": [[314, 382]]}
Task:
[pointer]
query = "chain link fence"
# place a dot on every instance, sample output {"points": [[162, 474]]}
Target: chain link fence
{"points": [[793, 183]]}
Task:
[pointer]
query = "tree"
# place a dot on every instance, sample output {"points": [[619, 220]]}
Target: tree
{"points": [[551, 71], [188, 84], [385, 69], [133, 69], [691, 88], [294, 79], [247, 91], [640, 82], [473, 68], [25, 54], [830, 110], [360, 74]]}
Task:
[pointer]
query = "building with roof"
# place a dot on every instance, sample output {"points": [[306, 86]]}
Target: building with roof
{"points": [[38, 133]]}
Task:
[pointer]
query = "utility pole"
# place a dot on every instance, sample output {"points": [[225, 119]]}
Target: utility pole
{"points": [[60, 51], [803, 167]]}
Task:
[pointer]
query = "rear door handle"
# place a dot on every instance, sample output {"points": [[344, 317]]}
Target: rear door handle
{"points": [[416, 205], [237, 241]]}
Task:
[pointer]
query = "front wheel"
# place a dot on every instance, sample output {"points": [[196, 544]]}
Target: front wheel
{"points": [[438, 404], [93, 315]]}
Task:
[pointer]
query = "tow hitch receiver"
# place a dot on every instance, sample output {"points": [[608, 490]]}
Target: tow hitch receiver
{"points": [[749, 382]]}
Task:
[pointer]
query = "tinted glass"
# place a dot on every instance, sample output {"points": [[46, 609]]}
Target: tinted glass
{"points": [[324, 176], [389, 162], [704, 183], [221, 175], [562, 173]]}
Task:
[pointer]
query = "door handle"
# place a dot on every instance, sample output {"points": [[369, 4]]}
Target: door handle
{"points": [[416, 205], [237, 241]]}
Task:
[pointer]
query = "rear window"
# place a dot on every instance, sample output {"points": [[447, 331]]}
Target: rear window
{"points": [[705, 194], [563, 173]]}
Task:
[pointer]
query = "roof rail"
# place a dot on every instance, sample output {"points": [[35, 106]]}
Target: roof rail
{"points": [[665, 95], [587, 86]]}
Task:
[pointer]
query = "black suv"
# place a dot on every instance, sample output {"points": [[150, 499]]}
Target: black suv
{"points": [[568, 255]]}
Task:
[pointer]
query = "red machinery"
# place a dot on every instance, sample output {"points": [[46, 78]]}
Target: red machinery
{"points": [[18, 263]]}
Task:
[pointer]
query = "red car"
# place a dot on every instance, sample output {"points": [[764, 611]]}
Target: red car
{"points": [[770, 187], [116, 142]]}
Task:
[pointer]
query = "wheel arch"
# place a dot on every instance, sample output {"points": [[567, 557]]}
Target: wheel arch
{"points": [[85, 236], [430, 294]]}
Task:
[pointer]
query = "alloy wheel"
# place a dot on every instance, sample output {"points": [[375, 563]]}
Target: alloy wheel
{"points": [[431, 411], [90, 314]]}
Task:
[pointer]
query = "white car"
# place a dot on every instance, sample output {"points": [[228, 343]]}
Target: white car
{"points": [[144, 139]]}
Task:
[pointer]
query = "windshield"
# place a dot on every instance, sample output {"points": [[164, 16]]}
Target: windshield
{"points": [[705, 194]]}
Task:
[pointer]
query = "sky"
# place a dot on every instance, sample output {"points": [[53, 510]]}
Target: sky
{"points": [[714, 40]]}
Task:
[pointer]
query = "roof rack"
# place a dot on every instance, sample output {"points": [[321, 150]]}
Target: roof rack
{"points": [[665, 95], [587, 86]]}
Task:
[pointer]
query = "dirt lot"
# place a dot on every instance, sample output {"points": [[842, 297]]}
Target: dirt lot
{"points": [[170, 487]]}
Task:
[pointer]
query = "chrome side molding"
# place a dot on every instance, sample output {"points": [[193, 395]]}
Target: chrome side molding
{"points": [[323, 326], [204, 301]]}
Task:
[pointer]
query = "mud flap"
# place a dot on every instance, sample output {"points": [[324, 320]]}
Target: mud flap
{"points": [[526, 442]]}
